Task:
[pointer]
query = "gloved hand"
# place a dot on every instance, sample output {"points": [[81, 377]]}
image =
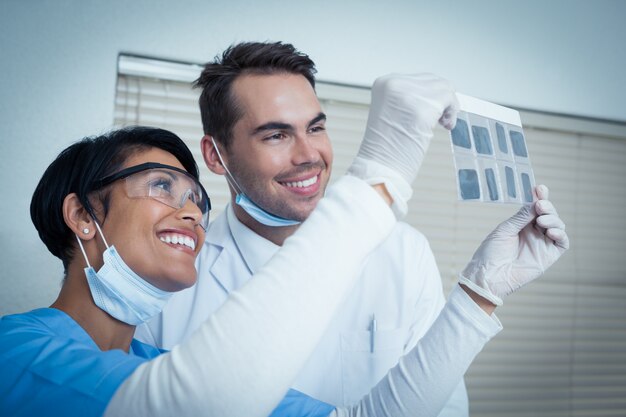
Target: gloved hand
{"points": [[519, 250], [403, 113]]}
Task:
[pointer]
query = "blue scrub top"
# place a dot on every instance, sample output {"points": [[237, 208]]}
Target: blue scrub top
{"points": [[297, 404], [51, 367]]}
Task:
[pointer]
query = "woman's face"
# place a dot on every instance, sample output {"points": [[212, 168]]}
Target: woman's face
{"points": [[140, 229]]}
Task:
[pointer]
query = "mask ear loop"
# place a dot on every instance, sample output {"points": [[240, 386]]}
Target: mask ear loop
{"points": [[101, 234], [231, 180], [82, 249], [80, 245]]}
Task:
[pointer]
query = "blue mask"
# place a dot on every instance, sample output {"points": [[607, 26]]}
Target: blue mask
{"points": [[249, 206], [119, 291], [260, 215]]}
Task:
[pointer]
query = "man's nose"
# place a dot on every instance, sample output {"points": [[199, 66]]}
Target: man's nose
{"points": [[304, 150]]}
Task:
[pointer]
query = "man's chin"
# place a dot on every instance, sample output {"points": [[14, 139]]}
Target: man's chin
{"points": [[296, 214], [301, 215]]}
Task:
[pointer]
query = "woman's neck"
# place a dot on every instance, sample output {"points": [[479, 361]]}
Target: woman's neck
{"points": [[75, 299]]}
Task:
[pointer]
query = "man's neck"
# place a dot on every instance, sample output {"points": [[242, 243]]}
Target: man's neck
{"points": [[276, 235]]}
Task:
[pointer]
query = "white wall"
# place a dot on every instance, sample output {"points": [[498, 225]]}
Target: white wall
{"points": [[58, 69]]}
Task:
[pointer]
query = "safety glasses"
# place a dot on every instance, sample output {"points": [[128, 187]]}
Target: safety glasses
{"points": [[167, 184]]}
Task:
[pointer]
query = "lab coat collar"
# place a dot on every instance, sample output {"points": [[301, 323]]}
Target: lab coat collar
{"points": [[220, 267], [254, 249]]}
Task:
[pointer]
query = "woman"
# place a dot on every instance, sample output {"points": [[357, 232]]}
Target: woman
{"points": [[125, 213]]}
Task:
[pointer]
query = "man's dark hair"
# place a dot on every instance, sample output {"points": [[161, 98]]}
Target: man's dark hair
{"points": [[77, 168], [218, 107]]}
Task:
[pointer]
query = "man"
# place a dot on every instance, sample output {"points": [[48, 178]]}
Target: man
{"points": [[265, 131]]}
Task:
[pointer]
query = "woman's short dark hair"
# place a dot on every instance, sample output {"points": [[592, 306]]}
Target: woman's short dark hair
{"points": [[78, 167], [218, 107]]}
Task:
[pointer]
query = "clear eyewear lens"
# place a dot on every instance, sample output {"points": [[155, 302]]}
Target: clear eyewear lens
{"points": [[169, 187]]}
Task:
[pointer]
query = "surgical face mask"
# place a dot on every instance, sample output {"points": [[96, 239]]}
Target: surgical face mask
{"points": [[119, 291], [250, 207]]}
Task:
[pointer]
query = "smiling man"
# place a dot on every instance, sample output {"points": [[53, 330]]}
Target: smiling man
{"points": [[265, 131], [279, 155]]}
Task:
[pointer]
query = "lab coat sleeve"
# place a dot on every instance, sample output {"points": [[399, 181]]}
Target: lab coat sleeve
{"points": [[243, 359], [424, 378]]}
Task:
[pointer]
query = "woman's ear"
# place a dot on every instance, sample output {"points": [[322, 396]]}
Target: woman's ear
{"points": [[77, 217], [211, 158]]}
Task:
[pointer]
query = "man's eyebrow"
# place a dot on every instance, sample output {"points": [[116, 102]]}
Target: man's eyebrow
{"points": [[320, 117], [286, 126], [272, 126]]}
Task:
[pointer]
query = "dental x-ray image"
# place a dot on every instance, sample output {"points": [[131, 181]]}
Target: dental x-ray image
{"points": [[490, 154]]}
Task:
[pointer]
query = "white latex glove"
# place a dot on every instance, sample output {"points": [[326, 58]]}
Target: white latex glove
{"points": [[403, 113], [519, 250]]}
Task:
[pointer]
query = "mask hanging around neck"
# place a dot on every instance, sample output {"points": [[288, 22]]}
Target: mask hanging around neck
{"points": [[250, 207], [119, 291]]}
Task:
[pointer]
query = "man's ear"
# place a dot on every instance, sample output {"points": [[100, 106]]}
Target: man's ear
{"points": [[77, 217], [211, 158]]}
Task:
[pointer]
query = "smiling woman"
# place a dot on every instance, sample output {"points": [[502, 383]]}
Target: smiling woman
{"points": [[85, 199], [171, 210]]}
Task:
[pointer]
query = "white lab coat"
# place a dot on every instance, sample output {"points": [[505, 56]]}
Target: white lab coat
{"points": [[400, 285]]}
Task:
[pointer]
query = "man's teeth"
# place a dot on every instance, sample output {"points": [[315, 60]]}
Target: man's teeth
{"points": [[302, 184], [179, 240]]}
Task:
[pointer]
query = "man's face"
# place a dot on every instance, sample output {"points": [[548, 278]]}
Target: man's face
{"points": [[280, 154]]}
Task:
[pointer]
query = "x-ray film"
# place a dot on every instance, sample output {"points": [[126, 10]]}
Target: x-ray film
{"points": [[490, 154]]}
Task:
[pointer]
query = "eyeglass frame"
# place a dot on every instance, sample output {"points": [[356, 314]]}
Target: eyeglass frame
{"points": [[127, 172]]}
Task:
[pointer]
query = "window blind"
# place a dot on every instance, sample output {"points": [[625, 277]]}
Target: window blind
{"points": [[563, 348]]}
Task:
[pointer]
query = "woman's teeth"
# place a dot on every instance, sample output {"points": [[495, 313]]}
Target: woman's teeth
{"points": [[302, 184], [179, 240]]}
